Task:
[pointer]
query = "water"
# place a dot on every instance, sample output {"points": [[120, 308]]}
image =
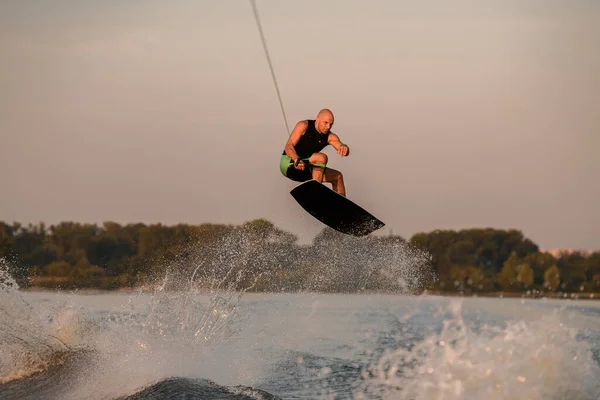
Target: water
{"points": [[224, 345]]}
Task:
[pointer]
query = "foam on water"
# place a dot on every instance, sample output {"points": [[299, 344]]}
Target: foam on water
{"points": [[184, 327], [539, 359], [29, 342], [169, 333]]}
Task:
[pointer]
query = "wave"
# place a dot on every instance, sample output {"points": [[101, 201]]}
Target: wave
{"points": [[184, 343], [543, 358], [184, 388], [60, 349], [30, 342]]}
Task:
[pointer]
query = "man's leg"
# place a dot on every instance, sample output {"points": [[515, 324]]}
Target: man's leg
{"points": [[336, 179], [317, 172], [327, 175]]}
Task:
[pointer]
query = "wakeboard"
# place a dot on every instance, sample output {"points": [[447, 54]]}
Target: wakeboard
{"points": [[334, 210]]}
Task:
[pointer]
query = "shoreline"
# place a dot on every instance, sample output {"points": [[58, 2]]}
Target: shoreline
{"points": [[500, 295]]}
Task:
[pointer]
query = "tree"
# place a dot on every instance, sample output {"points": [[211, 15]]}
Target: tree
{"points": [[572, 267], [487, 248], [539, 263], [595, 282], [462, 252], [515, 274], [58, 268], [552, 278], [7, 241], [593, 265], [525, 275], [467, 278]]}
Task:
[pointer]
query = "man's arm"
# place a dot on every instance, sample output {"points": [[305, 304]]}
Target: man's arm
{"points": [[340, 147], [297, 132]]}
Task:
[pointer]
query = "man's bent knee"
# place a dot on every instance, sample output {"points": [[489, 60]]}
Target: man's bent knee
{"points": [[319, 158]]}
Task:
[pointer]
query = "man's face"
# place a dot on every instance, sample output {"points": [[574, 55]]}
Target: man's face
{"points": [[324, 123]]}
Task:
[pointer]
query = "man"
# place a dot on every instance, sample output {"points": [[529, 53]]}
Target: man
{"points": [[303, 150]]}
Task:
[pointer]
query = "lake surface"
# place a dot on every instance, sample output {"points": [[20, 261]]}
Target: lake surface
{"points": [[173, 345]]}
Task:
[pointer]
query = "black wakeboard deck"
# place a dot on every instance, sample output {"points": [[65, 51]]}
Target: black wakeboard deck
{"points": [[334, 210]]}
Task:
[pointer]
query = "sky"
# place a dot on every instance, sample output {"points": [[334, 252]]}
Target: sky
{"points": [[462, 114]]}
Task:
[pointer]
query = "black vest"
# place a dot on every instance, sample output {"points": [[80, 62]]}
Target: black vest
{"points": [[311, 142]]}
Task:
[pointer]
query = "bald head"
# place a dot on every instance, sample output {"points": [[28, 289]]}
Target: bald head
{"points": [[325, 112], [324, 121]]}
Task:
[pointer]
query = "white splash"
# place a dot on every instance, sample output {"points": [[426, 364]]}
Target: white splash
{"points": [[540, 359]]}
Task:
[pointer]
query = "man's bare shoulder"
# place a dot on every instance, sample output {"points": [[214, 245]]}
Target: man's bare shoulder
{"points": [[333, 137], [301, 127], [298, 131]]}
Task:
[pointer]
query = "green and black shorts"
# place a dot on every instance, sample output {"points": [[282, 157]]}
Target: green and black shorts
{"points": [[286, 166]]}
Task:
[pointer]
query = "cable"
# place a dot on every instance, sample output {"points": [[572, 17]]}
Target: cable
{"points": [[264, 42]]}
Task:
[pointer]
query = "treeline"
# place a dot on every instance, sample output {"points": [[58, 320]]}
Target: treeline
{"points": [[484, 260], [258, 256]]}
